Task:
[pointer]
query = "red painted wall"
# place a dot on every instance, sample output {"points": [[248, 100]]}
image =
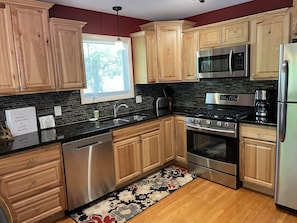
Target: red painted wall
{"points": [[105, 24], [98, 22], [245, 9]]}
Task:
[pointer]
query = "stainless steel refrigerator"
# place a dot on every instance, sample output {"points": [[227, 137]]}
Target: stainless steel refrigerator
{"points": [[286, 151]]}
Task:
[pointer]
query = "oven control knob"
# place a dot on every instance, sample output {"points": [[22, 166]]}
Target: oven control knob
{"points": [[226, 124], [219, 123], [207, 122], [193, 120], [198, 121]]}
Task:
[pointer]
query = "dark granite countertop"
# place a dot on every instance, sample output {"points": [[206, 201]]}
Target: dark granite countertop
{"points": [[73, 132], [252, 119], [85, 129]]}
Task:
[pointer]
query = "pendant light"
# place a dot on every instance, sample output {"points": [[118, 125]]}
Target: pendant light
{"points": [[119, 45]]}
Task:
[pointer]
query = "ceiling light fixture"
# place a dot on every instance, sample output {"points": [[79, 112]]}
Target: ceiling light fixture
{"points": [[119, 45]]}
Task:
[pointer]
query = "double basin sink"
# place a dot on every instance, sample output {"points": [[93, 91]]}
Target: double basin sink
{"points": [[129, 119]]}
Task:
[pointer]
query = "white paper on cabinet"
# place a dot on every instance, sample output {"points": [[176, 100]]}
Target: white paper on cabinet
{"points": [[21, 120]]}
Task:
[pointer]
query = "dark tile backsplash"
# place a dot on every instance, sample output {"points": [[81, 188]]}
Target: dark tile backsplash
{"points": [[183, 94]]}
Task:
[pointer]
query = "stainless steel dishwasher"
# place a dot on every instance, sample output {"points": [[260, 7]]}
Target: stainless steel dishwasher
{"points": [[89, 169]]}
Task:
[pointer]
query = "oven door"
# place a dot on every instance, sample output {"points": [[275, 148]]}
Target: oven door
{"points": [[213, 146]]}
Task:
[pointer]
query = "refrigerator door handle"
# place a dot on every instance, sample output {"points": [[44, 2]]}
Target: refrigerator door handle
{"points": [[283, 78], [282, 121]]}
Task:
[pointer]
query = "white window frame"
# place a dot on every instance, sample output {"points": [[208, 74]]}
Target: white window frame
{"points": [[122, 95]]}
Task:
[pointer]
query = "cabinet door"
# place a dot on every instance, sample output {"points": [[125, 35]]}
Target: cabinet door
{"points": [[151, 57], [235, 33], [189, 61], [127, 159], [181, 139], [210, 37], [33, 48], [258, 163], [9, 81], [151, 150], [169, 53], [266, 35], [168, 138], [68, 53]]}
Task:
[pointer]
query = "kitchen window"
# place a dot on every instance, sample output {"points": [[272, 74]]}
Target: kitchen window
{"points": [[108, 70]]}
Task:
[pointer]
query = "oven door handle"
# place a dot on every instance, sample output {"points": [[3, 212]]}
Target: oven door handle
{"points": [[212, 130]]}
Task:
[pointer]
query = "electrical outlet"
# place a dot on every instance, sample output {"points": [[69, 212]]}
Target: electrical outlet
{"points": [[58, 110], [138, 99]]}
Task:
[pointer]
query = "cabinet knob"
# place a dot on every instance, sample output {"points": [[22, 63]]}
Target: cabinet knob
{"points": [[2, 6], [34, 182], [31, 160]]}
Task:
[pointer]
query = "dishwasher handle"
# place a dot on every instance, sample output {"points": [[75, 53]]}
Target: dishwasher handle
{"points": [[88, 145]]}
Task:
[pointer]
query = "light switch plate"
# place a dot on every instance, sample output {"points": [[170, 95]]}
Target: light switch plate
{"points": [[58, 110], [138, 99]]}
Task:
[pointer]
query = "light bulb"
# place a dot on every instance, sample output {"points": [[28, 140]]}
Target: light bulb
{"points": [[119, 45]]}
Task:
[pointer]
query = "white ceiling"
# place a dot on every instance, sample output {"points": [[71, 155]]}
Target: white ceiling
{"points": [[153, 10]]}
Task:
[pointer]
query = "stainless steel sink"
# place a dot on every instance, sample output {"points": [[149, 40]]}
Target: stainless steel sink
{"points": [[129, 118]]}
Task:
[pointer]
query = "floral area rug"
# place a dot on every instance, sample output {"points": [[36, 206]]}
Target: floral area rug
{"points": [[122, 205]]}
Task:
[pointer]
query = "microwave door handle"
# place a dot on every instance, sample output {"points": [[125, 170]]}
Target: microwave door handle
{"points": [[230, 62]]}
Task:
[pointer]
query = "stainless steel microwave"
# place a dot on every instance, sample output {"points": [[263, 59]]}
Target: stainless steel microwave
{"points": [[223, 62]]}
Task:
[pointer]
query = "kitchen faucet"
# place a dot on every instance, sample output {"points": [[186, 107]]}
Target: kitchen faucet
{"points": [[116, 108]]}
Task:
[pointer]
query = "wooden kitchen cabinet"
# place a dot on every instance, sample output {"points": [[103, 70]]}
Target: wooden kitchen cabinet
{"points": [[225, 34], [257, 157], [181, 139], [137, 150], [67, 45], [33, 181], [169, 47], [189, 55], [168, 138], [26, 43], [144, 48], [267, 33]]}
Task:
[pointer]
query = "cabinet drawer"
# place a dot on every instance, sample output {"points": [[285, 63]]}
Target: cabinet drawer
{"points": [[29, 159], [30, 181], [40, 206], [266, 133], [135, 130]]}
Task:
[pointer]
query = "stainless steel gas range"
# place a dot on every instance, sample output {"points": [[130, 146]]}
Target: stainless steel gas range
{"points": [[212, 137]]}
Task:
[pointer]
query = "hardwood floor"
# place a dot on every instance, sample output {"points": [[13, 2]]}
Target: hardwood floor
{"points": [[206, 202]]}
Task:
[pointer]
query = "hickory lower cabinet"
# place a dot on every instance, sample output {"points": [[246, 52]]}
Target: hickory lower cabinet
{"points": [[33, 182], [168, 137], [257, 157], [180, 140], [137, 150]]}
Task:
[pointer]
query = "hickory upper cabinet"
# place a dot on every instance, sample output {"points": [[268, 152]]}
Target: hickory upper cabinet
{"points": [[189, 55], [144, 48], [26, 59], [68, 53], [267, 33], [224, 33], [169, 47]]}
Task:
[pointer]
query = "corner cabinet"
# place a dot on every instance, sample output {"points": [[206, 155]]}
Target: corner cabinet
{"points": [[257, 157], [27, 56], [144, 48], [33, 182], [267, 33], [169, 48], [137, 150], [67, 50]]}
